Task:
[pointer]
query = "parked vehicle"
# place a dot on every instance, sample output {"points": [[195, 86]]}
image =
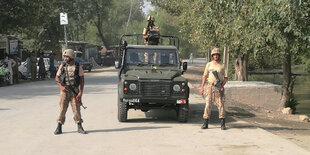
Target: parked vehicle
{"points": [[150, 77], [85, 65]]}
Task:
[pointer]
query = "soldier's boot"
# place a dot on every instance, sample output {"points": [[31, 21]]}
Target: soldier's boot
{"points": [[58, 129], [223, 127], [80, 129], [205, 124]]}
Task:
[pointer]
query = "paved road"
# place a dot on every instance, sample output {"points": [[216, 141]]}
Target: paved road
{"points": [[196, 62], [28, 119]]}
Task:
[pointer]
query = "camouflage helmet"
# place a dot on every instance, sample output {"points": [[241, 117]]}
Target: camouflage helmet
{"points": [[215, 51], [70, 53], [150, 18]]}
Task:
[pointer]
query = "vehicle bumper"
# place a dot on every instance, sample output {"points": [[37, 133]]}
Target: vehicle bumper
{"points": [[154, 101]]}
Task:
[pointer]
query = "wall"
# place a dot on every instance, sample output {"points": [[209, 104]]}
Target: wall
{"points": [[260, 94]]}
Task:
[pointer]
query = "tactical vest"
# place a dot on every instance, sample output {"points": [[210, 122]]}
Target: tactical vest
{"points": [[64, 79]]}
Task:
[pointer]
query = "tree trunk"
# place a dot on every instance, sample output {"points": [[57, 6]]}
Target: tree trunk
{"points": [[226, 58], [101, 36], [241, 63], [98, 24], [208, 56], [288, 80]]}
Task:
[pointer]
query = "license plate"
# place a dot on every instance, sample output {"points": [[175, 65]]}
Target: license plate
{"points": [[133, 100], [182, 101]]}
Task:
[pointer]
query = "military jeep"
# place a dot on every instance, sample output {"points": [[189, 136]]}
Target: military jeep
{"points": [[150, 77]]}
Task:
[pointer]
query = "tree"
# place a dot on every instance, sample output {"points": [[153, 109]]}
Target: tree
{"points": [[89, 20], [248, 27], [10, 13], [111, 18]]}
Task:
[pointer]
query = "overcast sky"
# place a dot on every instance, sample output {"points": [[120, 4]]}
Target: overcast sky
{"points": [[147, 7]]}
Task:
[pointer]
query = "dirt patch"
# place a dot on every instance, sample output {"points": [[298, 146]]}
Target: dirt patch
{"points": [[275, 122]]}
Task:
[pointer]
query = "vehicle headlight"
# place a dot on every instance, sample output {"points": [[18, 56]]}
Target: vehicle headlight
{"points": [[176, 87], [133, 87]]}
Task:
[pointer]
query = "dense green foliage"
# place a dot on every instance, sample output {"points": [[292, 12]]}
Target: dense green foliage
{"points": [[257, 27], [169, 25], [267, 33], [99, 22]]}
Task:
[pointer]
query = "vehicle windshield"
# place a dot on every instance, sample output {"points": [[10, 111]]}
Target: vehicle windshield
{"points": [[159, 57]]}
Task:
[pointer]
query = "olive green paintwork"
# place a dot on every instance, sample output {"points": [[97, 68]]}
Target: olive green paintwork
{"points": [[150, 73]]}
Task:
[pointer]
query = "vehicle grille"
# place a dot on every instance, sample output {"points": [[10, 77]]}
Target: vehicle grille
{"points": [[155, 88]]}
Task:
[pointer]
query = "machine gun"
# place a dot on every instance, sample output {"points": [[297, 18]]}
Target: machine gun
{"points": [[218, 84], [71, 90], [148, 27]]}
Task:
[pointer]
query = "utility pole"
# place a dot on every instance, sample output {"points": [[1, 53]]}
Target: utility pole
{"points": [[66, 42], [64, 22]]}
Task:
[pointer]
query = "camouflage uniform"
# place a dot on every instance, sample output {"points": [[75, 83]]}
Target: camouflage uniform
{"points": [[66, 97], [70, 77], [151, 33], [212, 94], [33, 66]]}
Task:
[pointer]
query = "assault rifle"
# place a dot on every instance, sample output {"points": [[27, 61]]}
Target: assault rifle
{"points": [[148, 27], [71, 90], [218, 84]]}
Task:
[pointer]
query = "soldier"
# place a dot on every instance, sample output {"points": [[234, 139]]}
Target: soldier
{"points": [[15, 68], [151, 32], [42, 70], [213, 94], [33, 65], [191, 58], [69, 77]]}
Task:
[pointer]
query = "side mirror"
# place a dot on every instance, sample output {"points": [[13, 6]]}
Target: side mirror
{"points": [[117, 65], [184, 66]]}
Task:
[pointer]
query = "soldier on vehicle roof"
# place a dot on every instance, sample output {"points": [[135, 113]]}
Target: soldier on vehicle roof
{"points": [[212, 93], [70, 77], [151, 32]]}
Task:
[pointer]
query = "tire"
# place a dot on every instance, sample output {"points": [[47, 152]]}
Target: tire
{"points": [[183, 112], [122, 111]]}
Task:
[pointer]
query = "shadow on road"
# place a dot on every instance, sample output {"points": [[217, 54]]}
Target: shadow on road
{"points": [[282, 128], [195, 116], [127, 129], [93, 84]]}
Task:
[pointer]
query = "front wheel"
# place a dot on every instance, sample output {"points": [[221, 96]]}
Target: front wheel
{"points": [[183, 112], [122, 111]]}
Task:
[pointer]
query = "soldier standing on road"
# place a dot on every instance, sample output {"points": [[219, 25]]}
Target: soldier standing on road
{"points": [[42, 70], [33, 65], [52, 68], [70, 75], [15, 68], [191, 58], [212, 94], [28, 65]]}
